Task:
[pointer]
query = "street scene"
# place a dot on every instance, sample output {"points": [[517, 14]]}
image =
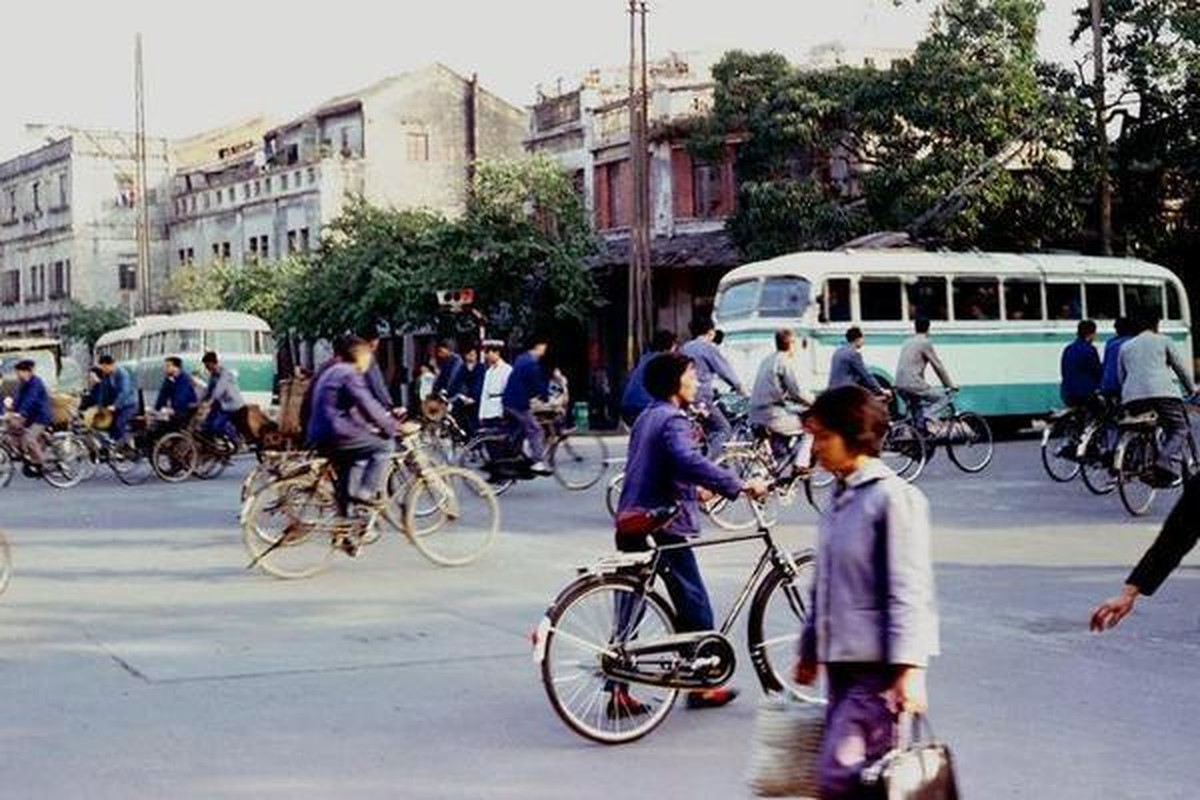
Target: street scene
{"points": [[637, 398]]}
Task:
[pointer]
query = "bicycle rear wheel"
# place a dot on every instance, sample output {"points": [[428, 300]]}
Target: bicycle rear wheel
{"points": [[174, 457], [1096, 461], [5, 563], [1060, 447], [478, 456], [573, 641], [777, 616], [1136, 454], [288, 528], [970, 446], [579, 460], [466, 519]]}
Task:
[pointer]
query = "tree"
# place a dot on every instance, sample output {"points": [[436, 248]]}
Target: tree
{"points": [[261, 288], [85, 324]]}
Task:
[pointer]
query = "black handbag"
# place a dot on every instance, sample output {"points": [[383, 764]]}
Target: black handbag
{"points": [[920, 769]]}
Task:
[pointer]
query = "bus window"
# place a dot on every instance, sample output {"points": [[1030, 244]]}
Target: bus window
{"points": [[190, 341], [783, 297], [837, 300], [1022, 299], [927, 299], [879, 299], [1103, 300], [266, 343], [1174, 306], [229, 342], [1064, 301], [1143, 300], [737, 300], [976, 299]]}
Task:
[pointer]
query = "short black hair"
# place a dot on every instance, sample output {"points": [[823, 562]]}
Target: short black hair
{"points": [[718, 337], [346, 346], [1085, 328], [174, 361], [368, 333], [107, 359], [701, 325], [783, 339], [536, 338], [855, 414], [1150, 322], [921, 325], [25, 365], [1122, 326], [663, 341], [447, 344], [664, 373], [854, 334], [209, 358]]}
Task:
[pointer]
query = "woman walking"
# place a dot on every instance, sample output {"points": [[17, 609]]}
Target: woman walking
{"points": [[873, 622]]}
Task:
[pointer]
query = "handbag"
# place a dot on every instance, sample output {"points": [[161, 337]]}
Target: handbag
{"points": [[784, 751], [919, 769]]}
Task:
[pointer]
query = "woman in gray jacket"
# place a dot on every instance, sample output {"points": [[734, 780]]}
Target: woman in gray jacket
{"points": [[873, 622]]}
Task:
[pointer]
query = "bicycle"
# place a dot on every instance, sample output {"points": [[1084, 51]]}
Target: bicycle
{"points": [[129, 460], [905, 450], [1061, 439], [292, 529], [1136, 458], [612, 626], [781, 469], [1097, 449], [63, 458], [966, 435], [180, 454]]}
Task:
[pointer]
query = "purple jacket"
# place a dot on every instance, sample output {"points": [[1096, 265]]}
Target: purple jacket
{"points": [[344, 412], [665, 466]]}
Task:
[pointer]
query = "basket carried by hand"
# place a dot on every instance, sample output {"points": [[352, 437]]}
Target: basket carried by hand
{"points": [[784, 753]]}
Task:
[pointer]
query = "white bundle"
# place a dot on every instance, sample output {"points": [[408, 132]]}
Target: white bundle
{"points": [[788, 733]]}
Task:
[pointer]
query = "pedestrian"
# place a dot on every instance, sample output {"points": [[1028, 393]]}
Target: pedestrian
{"points": [[636, 399], [847, 367], [451, 371], [711, 365], [496, 374], [1081, 368], [873, 622], [528, 382], [917, 354]]}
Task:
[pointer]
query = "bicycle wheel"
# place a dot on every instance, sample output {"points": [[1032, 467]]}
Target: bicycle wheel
{"points": [[1136, 453], [578, 460], [904, 450], [737, 514], [574, 639], [129, 463], [612, 493], [213, 457], [174, 457], [5, 563], [465, 523], [1060, 448], [288, 528], [1096, 461], [970, 446], [777, 616], [6, 467], [477, 456], [64, 467]]}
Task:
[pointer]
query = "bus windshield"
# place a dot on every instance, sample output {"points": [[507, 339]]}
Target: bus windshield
{"points": [[229, 341], [773, 298]]}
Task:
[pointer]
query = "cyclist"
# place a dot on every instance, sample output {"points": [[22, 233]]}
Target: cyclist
{"points": [[352, 429], [710, 365], [917, 354], [121, 395], [451, 372], [527, 382], [225, 396], [777, 401], [374, 377], [636, 399], [1146, 364], [176, 395], [495, 379], [33, 415], [847, 367], [664, 469], [1081, 368], [1110, 379]]}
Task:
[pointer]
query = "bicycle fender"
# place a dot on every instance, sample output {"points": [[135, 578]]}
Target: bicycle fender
{"points": [[539, 640]]}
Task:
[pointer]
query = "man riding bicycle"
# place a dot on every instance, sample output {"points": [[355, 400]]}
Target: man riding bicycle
{"points": [[33, 415], [176, 396], [917, 354], [777, 401], [528, 381], [121, 394], [1081, 369], [710, 365], [225, 396]]}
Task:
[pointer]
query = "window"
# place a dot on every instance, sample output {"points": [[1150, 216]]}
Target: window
{"points": [[291, 241], [879, 299], [416, 146], [347, 150], [312, 176], [304, 243], [229, 341], [927, 299], [10, 288], [12, 205], [37, 283], [707, 190], [1174, 305], [245, 191], [207, 201], [1022, 299], [1064, 301], [216, 251], [783, 298], [1143, 300], [220, 196], [283, 182], [257, 188], [837, 300], [190, 341], [127, 277], [62, 190], [614, 191], [60, 280], [976, 299], [253, 247], [226, 250], [36, 191], [1103, 300], [270, 181], [737, 300], [264, 246]]}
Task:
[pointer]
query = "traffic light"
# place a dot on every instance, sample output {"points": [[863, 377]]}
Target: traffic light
{"points": [[456, 298]]}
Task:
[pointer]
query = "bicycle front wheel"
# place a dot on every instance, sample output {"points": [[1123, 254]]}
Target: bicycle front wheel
{"points": [[5, 563], [1135, 456], [574, 640], [65, 461], [1096, 460], [777, 616], [579, 460], [129, 463], [287, 528], [463, 518], [971, 445], [1060, 447], [904, 450], [174, 457]]}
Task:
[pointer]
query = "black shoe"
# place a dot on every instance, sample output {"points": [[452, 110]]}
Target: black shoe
{"points": [[1160, 478], [712, 698], [621, 704]]}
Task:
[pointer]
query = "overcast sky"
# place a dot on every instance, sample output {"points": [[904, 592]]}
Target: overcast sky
{"points": [[213, 62]]}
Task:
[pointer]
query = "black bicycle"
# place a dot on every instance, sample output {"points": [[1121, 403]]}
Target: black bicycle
{"points": [[577, 459], [1135, 462], [966, 435], [613, 627]]}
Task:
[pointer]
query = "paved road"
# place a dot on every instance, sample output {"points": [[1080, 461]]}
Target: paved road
{"points": [[139, 659]]}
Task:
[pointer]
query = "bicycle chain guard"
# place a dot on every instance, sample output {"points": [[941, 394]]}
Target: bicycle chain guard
{"points": [[690, 661]]}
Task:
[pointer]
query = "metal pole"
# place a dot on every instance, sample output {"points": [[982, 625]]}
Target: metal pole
{"points": [[1103, 182], [646, 281], [632, 350]]}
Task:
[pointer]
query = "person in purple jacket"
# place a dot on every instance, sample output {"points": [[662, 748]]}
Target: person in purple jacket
{"points": [[351, 428], [664, 468]]}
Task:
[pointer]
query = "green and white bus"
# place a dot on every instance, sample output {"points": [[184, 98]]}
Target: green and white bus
{"points": [[243, 342], [1000, 321]]}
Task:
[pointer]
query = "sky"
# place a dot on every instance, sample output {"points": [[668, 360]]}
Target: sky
{"points": [[219, 61]]}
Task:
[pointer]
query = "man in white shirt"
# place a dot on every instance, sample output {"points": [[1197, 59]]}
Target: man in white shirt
{"points": [[491, 405]]}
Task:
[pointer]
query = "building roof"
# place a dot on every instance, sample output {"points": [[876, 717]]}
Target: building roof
{"points": [[682, 251]]}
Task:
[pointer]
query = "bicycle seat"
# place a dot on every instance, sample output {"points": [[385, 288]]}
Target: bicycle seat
{"points": [[644, 521], [1149, 419]]}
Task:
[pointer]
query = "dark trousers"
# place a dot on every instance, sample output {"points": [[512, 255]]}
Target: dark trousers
{"points": [[121, 419], [860, 728], [680, 573], [219, 423], [1172, 419], [358, 471], [717, 430]]}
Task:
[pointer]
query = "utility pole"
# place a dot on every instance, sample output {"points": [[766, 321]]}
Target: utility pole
{"points": [[640, 300], [1099, 94], [143, 211]]}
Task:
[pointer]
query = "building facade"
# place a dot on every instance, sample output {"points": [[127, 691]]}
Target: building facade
{"points": [[68, 227]]}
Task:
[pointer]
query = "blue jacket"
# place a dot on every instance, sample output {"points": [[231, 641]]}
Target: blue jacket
{"points": [[473, 385], [665, 466], [345, 413], [636, 399], [177, 394], [121, 392], [1110, 381], [33, 402], [848, 369], [710, 365], [452, 374], [1081, 372], [526, 382]]}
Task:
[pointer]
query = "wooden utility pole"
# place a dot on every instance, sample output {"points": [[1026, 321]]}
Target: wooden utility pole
{"points": [[640, 300], [1099, 94], [142, 207]]}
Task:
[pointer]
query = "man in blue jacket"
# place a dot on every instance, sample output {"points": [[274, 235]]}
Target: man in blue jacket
{"points": [[527, 382], [32, 407], [847, 367], [1081, 368], [636, 399], [122, 396], [1110, 380], [452, 373], [176, 394], [710, 365]]}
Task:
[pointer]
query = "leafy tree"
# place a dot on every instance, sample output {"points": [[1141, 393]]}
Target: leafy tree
{"points": [[261, 288], [85, 324]]}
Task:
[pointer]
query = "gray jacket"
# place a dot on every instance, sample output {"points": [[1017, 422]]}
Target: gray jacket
{"points": [[1145, 365], [710, 365], [910, 369], [847, 368], [873, 598], [776, 391], [223, 391]]}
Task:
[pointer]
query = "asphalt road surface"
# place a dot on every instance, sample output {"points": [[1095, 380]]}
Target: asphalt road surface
{"points": [[140, 659]]}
